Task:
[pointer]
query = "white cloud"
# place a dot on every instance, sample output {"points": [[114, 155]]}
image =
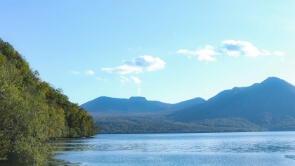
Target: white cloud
{"points": [[278, 53], [231, 48], [147, 63], [205, 54], [237, 48], [75, 72], [136, 80], [89, 72], [187, 52], [138, 65], [124, 79], [125, 69], [265, 53]]}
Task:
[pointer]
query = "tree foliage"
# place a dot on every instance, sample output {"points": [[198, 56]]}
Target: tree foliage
{"points": [[32, 112], [118, 124]]}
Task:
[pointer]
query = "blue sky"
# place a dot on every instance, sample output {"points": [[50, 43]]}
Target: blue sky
{"points": [[166, 50]]}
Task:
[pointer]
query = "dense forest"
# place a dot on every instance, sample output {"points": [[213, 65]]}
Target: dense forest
{"points": [[122, 124], [32, 112]]}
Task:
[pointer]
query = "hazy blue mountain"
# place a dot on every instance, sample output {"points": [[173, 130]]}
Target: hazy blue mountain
{"points": [[134, 105], [270, 104], [188, 103], [116, 105]]}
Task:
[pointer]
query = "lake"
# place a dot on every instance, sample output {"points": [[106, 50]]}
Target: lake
{"points": [[231, 149]]}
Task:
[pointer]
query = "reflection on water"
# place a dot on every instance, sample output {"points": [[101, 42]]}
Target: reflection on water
{"points": [[259, 148]]}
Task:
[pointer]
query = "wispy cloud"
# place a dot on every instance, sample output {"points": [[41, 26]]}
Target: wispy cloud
{"points": [[237, 48], [124, 79], [147, 63], [279, 53], [136, 80], [231, 48], [124, 69], [89, 72], [138, 65], [205, 54], [74, 72]]}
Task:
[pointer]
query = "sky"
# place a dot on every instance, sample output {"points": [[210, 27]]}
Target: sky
{"points": [[166, 50]]}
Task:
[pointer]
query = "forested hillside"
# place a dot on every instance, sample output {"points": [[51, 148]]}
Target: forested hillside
{"points": [[32, 112]]}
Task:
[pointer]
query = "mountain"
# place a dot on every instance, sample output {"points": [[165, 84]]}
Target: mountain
{"points": [[269, 104], [188, 103], [116, 105], [134, 105]]}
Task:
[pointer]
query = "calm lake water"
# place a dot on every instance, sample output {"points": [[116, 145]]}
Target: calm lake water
{"points": [[236, 149]]}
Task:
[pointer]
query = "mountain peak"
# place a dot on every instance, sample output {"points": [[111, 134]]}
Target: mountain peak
{"points": [[273, 96], [275, 82]]}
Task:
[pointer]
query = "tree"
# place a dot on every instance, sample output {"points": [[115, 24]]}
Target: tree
{"points": [[32, 112]]}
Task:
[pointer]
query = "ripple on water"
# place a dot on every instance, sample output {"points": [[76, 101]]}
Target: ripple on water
{"points": [[265, 148]]}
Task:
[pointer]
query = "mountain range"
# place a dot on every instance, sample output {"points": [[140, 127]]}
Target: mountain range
{"points": [[108, 105], [272, 98], [269, 105]]}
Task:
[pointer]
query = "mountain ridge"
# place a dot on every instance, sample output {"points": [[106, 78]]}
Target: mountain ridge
{"points": [[273, 98], [264, 106], [135, 104]]}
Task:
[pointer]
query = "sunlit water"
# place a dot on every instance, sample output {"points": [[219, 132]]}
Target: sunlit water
{"points": [[232, 149]]}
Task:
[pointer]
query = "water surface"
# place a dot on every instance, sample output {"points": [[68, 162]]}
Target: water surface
{"points": [[233, 149]]}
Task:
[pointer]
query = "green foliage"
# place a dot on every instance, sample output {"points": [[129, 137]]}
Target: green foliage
{"points": [[151, 123], [32, 112]]}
